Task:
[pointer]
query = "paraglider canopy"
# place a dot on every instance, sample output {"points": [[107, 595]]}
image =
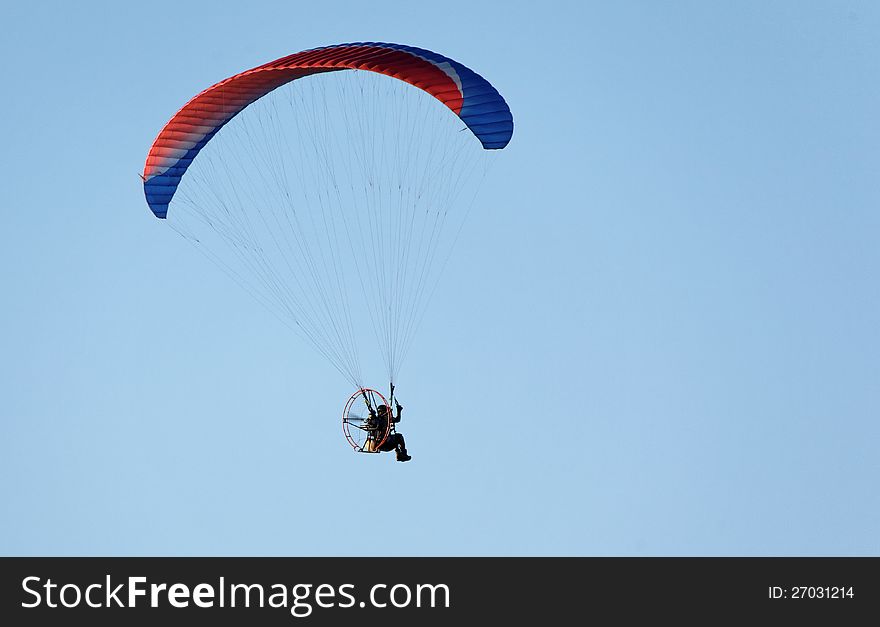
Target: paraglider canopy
{"points": [[332, 184], [466, 93]]}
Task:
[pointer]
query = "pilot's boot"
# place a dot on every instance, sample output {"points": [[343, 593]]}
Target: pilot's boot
{"points": [[402, 456]]}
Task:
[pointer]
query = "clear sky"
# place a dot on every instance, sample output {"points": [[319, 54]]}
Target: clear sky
{"points": [[658, 334]]}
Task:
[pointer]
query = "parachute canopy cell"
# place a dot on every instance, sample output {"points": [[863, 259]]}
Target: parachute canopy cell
{"points": [[467, 94]]}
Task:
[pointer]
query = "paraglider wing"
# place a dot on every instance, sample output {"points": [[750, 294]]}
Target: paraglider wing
{"points": [[466, 93]]}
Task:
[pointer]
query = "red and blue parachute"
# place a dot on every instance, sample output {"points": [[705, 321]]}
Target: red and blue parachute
{"points": [[466, 93], [334, 197]]}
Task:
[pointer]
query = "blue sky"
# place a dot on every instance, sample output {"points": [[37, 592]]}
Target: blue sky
{"points": [[658, 334]]}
